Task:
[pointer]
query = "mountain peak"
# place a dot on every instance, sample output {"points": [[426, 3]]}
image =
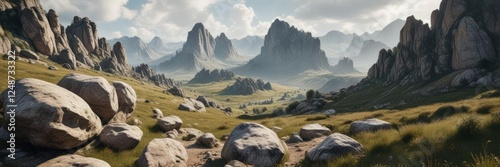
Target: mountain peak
{"points": [[198, 26]]}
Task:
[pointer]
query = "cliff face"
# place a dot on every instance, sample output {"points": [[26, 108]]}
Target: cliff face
{"points": [[200, 51], [216, 75], [287, 51], [464, 35]]}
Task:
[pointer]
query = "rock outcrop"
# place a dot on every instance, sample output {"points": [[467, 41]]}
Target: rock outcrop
{"points": [[36, 27], [176, 91], [461, 37], [49, 116], [96, 91], [287, 51], [335, 146], [247, 86], [345, 66], [216, 75], [163, 152], [146, 73], [86, 31], [200, 51], [254, 144]]}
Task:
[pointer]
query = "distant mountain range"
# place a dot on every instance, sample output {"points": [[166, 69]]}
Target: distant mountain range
{"points": [[248, 46]]}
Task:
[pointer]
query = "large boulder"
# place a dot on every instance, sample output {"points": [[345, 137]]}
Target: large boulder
{"points": [[208, 140], [157, 113], [334, 146], [50, 116], [74, 160], [66, 56], [312, 131], [126, 97], [163, 153], [176, 91], [368, 125], [169, 123], [192, 105], [471, 45], [96, 91], [254, 144], [203, 100], [465, 78], [120, 136]]}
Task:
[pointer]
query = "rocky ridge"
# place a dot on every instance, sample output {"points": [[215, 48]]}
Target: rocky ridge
{"points": [[216, 75], [247, 86]]}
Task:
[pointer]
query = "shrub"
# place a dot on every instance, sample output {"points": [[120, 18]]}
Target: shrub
{"points": [[483, 160], [469, 128], [486, 109], [292, 106], [310, 94], [317, 118], [421, 118], [494, 122], [446, 111]]}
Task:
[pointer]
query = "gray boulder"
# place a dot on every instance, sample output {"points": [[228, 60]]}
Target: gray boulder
{"points": [[177, 91], [96, 91], [312, 131], [334, 146], [192, 105], [157, 113], [368, 125], [74, 160], [163, 153], [255, 144], [295, 138], [208, 140], [49, 116], [67, 57], [126, 97], [169, 123], [465, 77], [120, 136], [29, 54]]}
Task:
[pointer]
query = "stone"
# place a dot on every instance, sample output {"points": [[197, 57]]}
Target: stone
{"points": [[177, 91], [96, 91], [53, 68], [465, 78], [295, 138], [368, 125], [203, 100], [29, 54], [254, 144], [126, 97], [486, 80], [312, 131], [329, 112], [120, 136], [334, 146], [171, 134], [190, 134], [208, 140], [192, 105], [471, 44], [49, 116], [163, 153], [169, 123], [67, 57], [157, 113], [74, 160]]}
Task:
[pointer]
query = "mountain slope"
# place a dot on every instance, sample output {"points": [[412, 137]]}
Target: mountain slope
{"points": [[389, 35], [248, 46]]}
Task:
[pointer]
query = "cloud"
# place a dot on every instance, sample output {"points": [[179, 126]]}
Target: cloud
{"points": [[117, 34], [96, 10], [145, 34]]}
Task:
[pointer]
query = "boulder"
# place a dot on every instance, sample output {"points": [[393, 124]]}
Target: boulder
{"points": [[74, 160], [169, 123], [120, 136], [312, 131], [254, 144], [329, 112], [163, 153], [465, 77], [29, 54], [295, 138], [368, 125], [235, 163], [486, 80], [96, 91], [49, 116], [192, 105], [334, 146], [208, 140], [53, 68], [171, 134], [176, 91], [157, 113], [67, 57], [470, 45], [203, 100], [126, 97], [190, 134]]}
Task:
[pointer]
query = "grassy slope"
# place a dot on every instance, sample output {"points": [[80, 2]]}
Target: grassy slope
{"points": [[438, 136]]}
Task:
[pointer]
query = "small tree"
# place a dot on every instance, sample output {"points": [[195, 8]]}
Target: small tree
{"points": [[310, 94]]}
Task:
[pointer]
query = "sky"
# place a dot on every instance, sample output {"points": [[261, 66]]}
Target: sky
{"points": [[173, 19]]}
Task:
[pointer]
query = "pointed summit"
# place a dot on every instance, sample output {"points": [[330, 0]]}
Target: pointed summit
{"points": [[224, 48]]}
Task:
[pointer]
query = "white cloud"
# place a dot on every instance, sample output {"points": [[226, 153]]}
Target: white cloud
{"points": [[143, 33], [96, 10], [117, 34]]}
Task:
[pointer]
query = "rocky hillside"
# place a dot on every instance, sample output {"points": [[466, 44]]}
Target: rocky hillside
{"points": [[137, 51], [345, 66], [216, 75], [247, 86], [200, 51], [26, 27], [287, 51]]}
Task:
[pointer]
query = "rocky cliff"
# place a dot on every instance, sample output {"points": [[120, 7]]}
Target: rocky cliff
{"points": [[200, 51], [345, 66], [287, 51], [247, 86], [216, 75], [76, 46], [464, 35]]}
